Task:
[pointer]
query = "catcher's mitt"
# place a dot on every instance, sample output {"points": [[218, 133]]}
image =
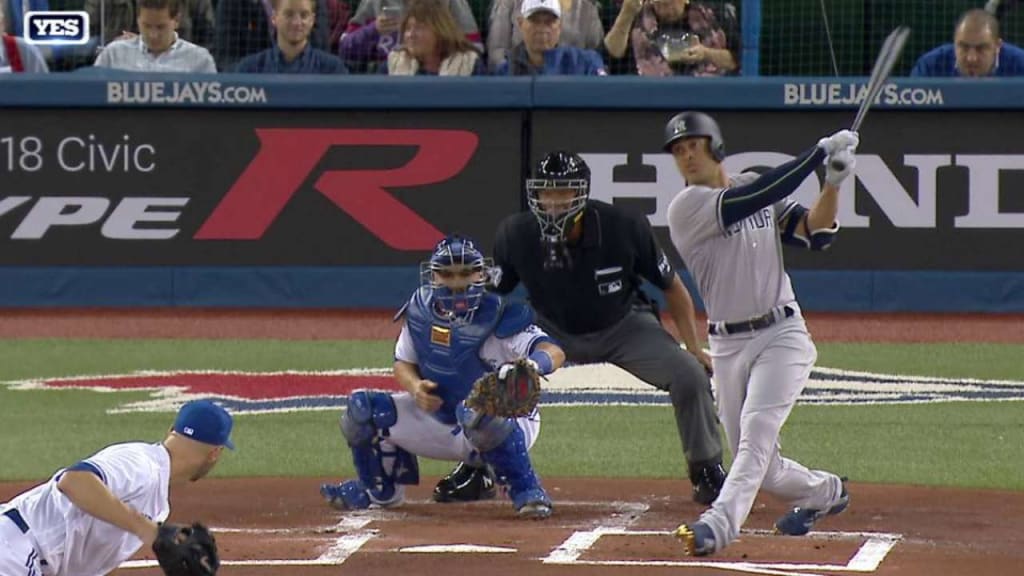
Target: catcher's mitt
{"points": [[511, 392], [186, 550]]}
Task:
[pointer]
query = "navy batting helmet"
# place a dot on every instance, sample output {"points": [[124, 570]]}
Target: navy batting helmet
{"points": [[558, 170], [695, 124]]}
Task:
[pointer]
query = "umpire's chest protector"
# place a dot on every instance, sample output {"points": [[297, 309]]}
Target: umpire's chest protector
{"points": [[450, 354]]}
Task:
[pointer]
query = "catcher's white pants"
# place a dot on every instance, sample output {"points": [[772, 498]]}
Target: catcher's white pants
{"points": [[18, 556], [421, 434], [758, 378]]}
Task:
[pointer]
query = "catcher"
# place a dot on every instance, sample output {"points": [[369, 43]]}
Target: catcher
{"points": [[471, 364], [92, 516]]}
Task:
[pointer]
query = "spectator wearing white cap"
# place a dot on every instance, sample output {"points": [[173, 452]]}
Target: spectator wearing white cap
{"points": [[581, 27], [541, 51]]}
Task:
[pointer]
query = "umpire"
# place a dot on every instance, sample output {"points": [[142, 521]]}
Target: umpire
{"points": [[581, 262]]}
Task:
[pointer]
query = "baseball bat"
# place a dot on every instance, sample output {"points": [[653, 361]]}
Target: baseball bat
{"points": [[887, 57]]}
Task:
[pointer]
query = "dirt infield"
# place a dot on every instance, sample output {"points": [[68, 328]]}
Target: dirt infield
{"points": [[272, 526], [277, 526]]}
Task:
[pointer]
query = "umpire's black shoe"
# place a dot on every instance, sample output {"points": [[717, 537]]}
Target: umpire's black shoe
{"points": [[466, 484], [707, 482]]}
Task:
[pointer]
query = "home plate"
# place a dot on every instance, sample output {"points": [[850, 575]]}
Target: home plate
{"points": [[457, 549]]}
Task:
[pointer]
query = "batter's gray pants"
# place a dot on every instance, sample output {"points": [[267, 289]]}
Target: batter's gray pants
{"points": [[640, 345]]}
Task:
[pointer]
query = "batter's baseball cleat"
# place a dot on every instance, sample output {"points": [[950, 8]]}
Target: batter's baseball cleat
{"points": [[697, 539], [466, 484], [707, 482], [533, 504], [799, 521]]}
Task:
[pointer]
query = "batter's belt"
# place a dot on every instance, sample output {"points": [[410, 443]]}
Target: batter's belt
{"points": [[751, 324]]}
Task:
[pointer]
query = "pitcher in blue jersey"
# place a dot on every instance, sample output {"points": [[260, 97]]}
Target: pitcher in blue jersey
{"points": [[454, 332]]}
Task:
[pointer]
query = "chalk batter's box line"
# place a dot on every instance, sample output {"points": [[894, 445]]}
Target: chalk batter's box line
{"points": [[867, 559]]}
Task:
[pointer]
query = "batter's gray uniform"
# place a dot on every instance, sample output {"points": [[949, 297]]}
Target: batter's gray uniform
{"points": [[758, 373]]}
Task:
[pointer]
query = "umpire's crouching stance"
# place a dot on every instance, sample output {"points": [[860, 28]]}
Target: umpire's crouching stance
{"points": [[582, 262]]}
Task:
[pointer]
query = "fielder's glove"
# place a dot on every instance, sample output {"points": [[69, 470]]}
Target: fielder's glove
{"points": [[511, 392], [845, 158], [839, 141], [186, 550]]}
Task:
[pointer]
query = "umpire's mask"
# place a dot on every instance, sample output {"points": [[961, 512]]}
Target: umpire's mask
{"points": [[566, 178]]}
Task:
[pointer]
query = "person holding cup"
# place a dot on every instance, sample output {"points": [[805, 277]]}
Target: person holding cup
{"points": [[674, 38]]}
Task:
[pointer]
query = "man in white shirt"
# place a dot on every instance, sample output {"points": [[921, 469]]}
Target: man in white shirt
{"points": [[92, 516], [157, 48], [16, 55]]}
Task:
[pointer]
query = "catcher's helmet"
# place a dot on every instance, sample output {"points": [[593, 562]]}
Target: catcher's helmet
{"points": [[695, 124], [457, 277], [558, 170]]}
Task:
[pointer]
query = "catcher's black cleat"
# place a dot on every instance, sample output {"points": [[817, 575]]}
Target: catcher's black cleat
{"points": [[466, 484], [707, 482]]}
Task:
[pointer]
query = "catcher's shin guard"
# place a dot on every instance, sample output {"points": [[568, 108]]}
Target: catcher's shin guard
{"points": [[353, 495], [379, 465], [466, 484], [511, 463]]}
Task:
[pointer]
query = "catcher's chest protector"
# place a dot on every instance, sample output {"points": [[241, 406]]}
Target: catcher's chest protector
{"points": [[450, 355]]}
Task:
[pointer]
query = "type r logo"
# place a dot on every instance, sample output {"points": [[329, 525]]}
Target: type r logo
{"points": [[287, 156]]}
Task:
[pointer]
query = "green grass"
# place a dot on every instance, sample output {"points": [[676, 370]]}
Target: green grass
{"points": [[953, 360], [20, 359], [953, 444]]}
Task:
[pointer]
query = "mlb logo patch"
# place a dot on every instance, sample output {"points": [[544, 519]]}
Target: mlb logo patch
{"points": [[57, 27], [441, 336]]}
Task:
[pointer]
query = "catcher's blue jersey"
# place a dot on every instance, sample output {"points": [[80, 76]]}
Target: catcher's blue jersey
{"points": [[450, 354]]}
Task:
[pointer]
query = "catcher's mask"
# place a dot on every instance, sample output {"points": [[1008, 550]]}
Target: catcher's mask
{"points": [[457, 275], [558, 213]]}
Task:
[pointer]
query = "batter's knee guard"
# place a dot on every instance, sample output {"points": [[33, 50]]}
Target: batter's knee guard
{"points": [[502, 444], [364, 424]]}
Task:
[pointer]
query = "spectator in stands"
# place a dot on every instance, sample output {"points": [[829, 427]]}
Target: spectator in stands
{"points": [[433, 44], [16, 55], [977, 50], [54, 56], [675, 38], [373, 31], [580, 24], [365, 48], [244, 27], [338, 14], [117, 22], [157, 48], [292, 54], [540, 52], [195, 20]]}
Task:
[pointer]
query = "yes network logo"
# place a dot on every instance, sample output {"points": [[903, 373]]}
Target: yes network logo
{"points": [[55, 28]]}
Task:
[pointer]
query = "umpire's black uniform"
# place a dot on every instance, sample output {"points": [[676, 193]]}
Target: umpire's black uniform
{"points": [[597, 312]]}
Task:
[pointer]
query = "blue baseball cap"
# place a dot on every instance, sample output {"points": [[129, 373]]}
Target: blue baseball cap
{"points": [[206, 422]]}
